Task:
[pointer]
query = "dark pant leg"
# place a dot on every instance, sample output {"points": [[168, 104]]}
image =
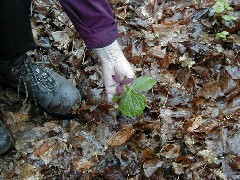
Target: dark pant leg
{"points": [[15, 29]]}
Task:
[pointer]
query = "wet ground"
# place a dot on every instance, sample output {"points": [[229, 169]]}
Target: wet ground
{"points": [[190, 128]]}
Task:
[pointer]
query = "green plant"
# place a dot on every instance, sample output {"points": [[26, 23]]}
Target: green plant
{"points": [[222, 35], [228, 17], [220, 7], [131, 101]]}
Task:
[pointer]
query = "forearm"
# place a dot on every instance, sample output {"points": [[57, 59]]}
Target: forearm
{"points": [[93, 20]]}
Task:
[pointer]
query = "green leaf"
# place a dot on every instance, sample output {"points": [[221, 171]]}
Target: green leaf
{"points": [[221, 5], [228, 18], [222, 35], [132, 104], [228, 7], [225, 33], [143, 83], [218, 9]]}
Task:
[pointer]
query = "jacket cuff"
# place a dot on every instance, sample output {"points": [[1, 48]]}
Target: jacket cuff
{"points": [[101, 38]]}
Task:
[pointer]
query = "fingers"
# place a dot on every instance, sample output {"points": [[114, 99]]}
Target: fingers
{"points": [[124, 68], [121, 68], [109, 83], [110, 98]]}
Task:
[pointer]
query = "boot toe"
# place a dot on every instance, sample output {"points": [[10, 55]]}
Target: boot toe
{"points": [[63, 99]]}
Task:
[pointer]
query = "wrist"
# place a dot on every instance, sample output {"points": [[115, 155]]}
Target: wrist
{"points": [[110, 53]]}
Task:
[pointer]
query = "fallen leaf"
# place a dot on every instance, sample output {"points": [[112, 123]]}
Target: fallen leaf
{"points": [[82, 165], [122, 136], [196, 123], [42, 148], [151, 166], [171, 151]]}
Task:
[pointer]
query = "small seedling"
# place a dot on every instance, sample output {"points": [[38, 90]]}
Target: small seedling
{"points": [[229, 18], [222, 35], [220, 8], [221, 5], [131, 101]]}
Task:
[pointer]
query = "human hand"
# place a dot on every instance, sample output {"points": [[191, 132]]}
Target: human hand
{"points": [[113, 63]]}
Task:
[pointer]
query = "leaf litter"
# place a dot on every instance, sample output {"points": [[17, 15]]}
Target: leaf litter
{"points": [[190, 127]]}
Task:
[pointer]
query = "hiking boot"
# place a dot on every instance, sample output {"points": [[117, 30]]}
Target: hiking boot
{"points": [[53, 92], [5, 140]]}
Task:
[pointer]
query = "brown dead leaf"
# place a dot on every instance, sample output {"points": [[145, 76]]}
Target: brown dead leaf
{"points": [[171, 151], [44, 147], [211, 90], [202, 71], [178, 168], [207, 155], [82, 165], [158, 52], [122, 136], [186, 159], [170, 58], [166, 77], [197, 165], [29, 171], [21, 116], [196, 123], [198, 102], [76, 141], [147, 154], [220, 174], [151, 166], [235, 163]]}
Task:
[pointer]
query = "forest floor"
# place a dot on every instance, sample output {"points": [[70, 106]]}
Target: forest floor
{"points": [[190, 128]]}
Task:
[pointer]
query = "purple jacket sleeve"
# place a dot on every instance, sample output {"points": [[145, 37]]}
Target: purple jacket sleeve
{"points": [[93, 20]]}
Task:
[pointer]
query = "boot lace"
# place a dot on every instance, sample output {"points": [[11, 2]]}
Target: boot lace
{"points": [[34, 77]]}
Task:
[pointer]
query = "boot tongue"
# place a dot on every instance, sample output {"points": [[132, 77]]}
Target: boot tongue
{"points": [[8, 66]]}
